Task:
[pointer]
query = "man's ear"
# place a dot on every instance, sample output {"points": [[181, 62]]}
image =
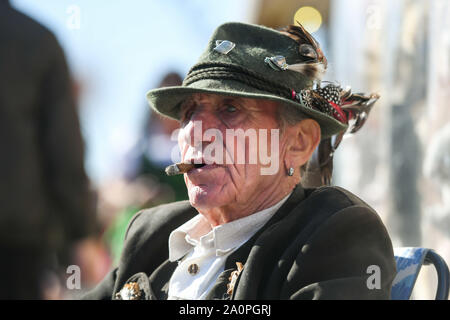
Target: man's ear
{"points": [[304, 137]]}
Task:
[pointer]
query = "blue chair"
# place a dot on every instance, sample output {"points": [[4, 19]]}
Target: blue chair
{"points": [[409, 261]]}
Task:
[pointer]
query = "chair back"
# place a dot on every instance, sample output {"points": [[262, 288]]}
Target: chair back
{"points": [[409, 262]]}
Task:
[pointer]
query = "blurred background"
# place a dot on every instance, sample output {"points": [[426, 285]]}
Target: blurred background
{"points": [[116, 51]]}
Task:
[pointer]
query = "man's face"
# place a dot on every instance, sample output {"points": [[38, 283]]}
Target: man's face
{"points": [[233, 176]]}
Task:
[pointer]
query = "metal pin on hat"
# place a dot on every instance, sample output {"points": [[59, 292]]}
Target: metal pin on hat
{"points": [[224, 46], [277, 62]]}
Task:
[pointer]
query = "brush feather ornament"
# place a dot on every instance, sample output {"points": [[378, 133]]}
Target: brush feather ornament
{"points": [[312, 62], [349, 108]]}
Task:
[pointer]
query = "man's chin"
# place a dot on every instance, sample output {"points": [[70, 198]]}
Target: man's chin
{"points": [[206, 197]]}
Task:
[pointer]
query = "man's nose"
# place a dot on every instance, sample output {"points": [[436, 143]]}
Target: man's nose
{"points": [[199, 123]]}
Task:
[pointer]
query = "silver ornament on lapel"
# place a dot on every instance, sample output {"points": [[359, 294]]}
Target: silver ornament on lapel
{"points": [[130, 291], [224, 46], [233, 278], [277, 62]]}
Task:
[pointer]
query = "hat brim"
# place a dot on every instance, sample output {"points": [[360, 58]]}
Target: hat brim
{"points": [[167, 101]]}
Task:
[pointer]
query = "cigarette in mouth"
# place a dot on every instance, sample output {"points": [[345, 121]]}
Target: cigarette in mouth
{"points": [[180, 168]]}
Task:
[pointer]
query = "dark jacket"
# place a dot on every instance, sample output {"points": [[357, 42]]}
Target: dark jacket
{"points": [[318, 245], [45, 201]]}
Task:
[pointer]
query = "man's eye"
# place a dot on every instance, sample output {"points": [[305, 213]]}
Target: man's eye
{"points": [[230, 109]]}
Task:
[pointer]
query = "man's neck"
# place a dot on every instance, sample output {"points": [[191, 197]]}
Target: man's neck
{"points": [[226, 214]]}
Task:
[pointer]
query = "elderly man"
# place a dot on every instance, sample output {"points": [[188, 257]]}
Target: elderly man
{"points": [[250, 230]]}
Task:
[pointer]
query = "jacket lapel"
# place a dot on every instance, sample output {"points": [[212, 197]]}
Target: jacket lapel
{"points": [[151, 241], [243, 252], [160, 278], [219, 290]]}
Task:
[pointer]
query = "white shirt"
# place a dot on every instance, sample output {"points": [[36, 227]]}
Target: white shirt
{"points": [[207, 250]]}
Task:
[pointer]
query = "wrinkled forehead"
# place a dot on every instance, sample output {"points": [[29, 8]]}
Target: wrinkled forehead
{"points": [[209, 98], [217, 99]]}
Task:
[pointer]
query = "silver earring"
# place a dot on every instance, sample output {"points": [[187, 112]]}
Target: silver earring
{"points": [[291, 172]]}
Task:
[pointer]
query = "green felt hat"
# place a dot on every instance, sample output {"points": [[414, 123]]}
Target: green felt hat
{"points": [[251, 61]]}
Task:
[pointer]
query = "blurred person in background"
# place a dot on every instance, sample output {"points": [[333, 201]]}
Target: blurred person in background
{"points": [[154, 150], [146, 184], [46, 206]]}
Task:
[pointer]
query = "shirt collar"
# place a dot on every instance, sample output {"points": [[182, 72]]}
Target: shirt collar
{"points": [[223, 238]]}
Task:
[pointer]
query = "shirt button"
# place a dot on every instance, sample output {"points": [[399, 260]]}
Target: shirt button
{"points": [[193, 269]]}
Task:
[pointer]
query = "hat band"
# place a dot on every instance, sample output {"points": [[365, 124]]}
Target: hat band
{"points": [[223, 71]]}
